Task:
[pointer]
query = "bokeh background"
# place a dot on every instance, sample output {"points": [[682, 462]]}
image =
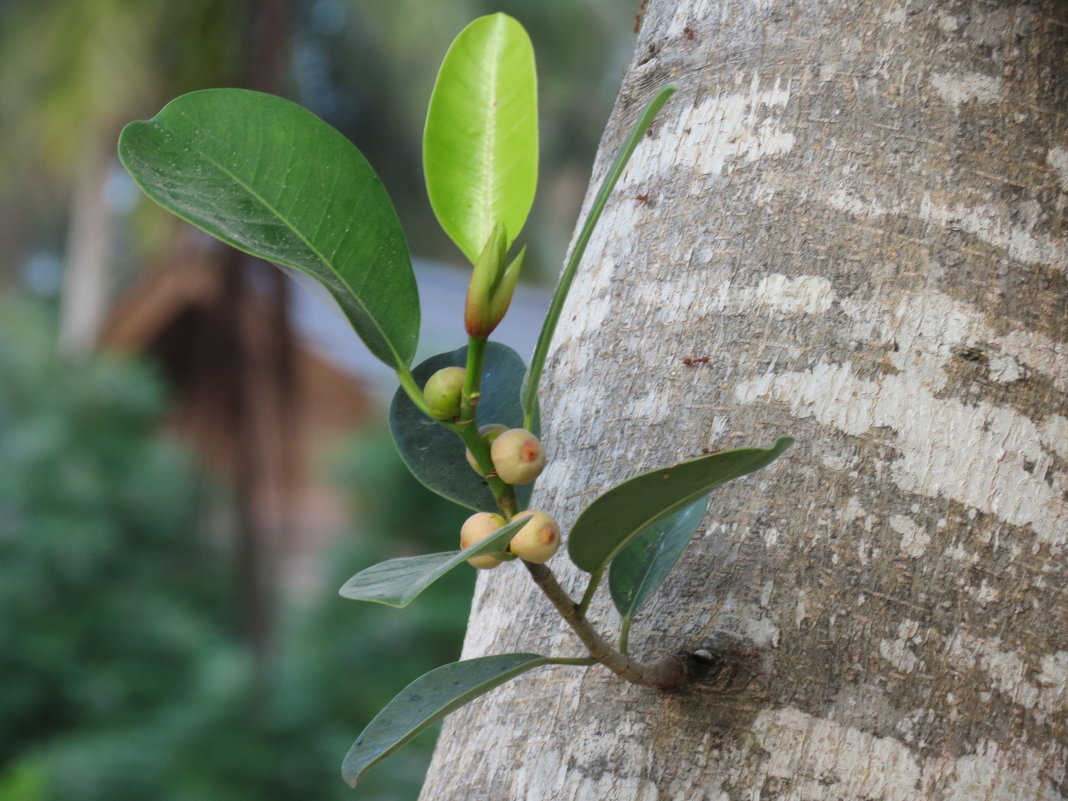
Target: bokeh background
{"points": [[192, 451]]}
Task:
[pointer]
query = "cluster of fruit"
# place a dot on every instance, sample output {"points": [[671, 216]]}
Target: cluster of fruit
{"points": [[518, 458]]}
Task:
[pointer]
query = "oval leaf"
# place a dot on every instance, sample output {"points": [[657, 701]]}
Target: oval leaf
{"points": [[434, 454], [397, 582], [427, 700], [641, 567], [272, 179], [614, 519], [480, 144]]}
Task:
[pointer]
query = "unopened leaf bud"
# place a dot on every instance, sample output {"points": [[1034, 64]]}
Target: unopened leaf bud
{"points": [[492, 284]]}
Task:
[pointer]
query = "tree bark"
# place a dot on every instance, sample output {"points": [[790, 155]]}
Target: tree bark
{"points": [[856, 211]]}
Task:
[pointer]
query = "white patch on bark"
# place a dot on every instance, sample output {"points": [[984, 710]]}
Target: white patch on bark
{"points": [[992, 225], [1008, 671], [802, 294], [974, 454], [1054, 434], [897, 653], [821, 760], [1057, 158], [995, 224], [997, 774], [715, 135], [957, 89], [914, 540], [990, 458]]}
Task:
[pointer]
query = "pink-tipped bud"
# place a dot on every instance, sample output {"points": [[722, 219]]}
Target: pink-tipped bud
{"points": [[538, 540], [475, 529], [517, 456], [489, 433]]}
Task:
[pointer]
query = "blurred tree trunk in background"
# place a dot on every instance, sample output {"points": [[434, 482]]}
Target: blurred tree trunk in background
{"points": [[88, 249], [856, 210]]}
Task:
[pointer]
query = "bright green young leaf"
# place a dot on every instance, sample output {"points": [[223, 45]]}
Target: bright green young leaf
{"points": [[434, 454], [427, 700], [641, 567], [608, 524], [272, 179], [397, 582], [480, 145]]}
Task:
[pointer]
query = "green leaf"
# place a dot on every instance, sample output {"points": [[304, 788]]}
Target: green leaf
{"points": [[434, 454], [397, 582], [529, 393], [272, 179], [427, 700], [608, 524], [480, 145], [641, 567]]}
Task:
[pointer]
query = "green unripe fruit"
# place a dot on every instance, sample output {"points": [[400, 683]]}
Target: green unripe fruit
{"points": [[489, 433], [442, 392], [517, 456], [475, 529], [538, 540]]}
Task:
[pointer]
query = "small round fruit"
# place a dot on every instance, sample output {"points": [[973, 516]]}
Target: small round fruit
{"points": [[489, 433], [538, 540], [475, 529], [517, 456], [442, 392]]}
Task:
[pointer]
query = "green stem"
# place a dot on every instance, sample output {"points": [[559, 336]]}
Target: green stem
{"points": [[467, 428], [529, 394], [666, 673], [591, 588], [476, 354], [502, 492], [413, 390], [624, 635]]}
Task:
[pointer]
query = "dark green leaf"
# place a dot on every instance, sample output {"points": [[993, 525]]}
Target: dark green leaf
{"points": [[268, 177], [434, 454], [480, 147], [398, 582], [615, 518], [427, 700], [641, 567]]}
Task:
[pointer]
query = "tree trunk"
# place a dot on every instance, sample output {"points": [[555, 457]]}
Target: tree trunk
{"points": [[856, 211], [88, 253]]}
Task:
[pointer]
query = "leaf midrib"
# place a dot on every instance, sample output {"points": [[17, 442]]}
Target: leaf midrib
{"points": [[303, 239]]}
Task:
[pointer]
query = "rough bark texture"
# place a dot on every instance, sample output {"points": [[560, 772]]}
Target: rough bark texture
{"points": [[856, 210]]}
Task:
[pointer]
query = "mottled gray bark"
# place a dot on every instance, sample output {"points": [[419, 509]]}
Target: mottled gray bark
{"points": [[856, 210]]}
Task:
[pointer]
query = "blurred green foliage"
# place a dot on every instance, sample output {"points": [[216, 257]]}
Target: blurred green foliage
{"points": [[122, 678]]}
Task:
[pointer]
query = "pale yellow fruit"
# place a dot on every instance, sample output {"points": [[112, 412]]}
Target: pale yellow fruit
{"points": [[489, 433], [538, 540], [442, 392], [475, 529], [517, 456]]}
